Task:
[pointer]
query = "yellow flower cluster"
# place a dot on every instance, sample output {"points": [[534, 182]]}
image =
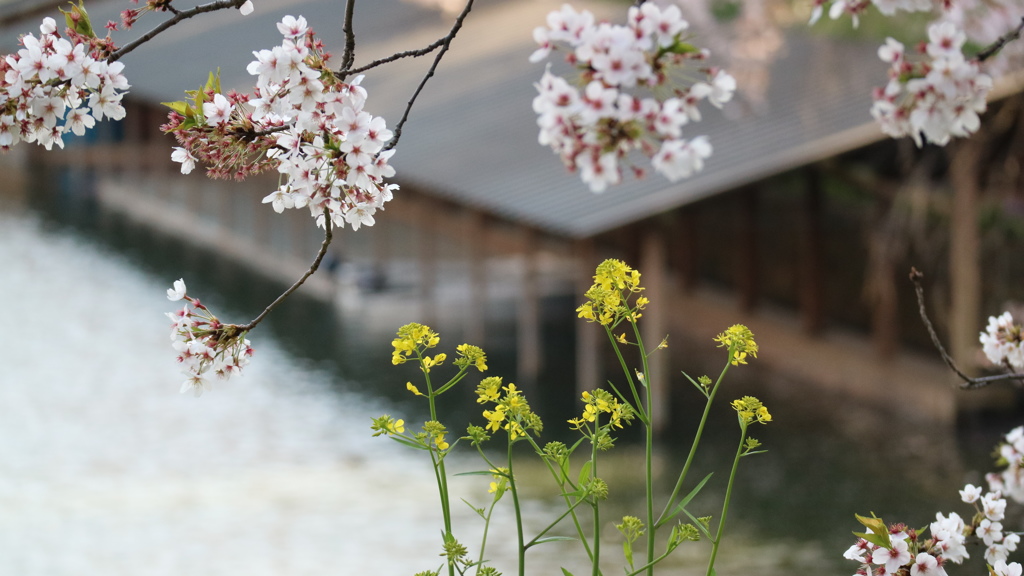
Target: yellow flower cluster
{"points": [[436, 432], [387, 426], [470, 355], [608, 299], [414, 339], [740, 342], [751, 410], [602, 402], [511, 412]]}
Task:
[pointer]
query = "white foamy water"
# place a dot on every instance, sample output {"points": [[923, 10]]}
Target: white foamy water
{"points": [[106, 469]]}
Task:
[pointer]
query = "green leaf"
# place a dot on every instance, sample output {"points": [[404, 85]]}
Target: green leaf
{"points": [[584, 473], [179, 107], [555, 539], [566, 572], [213, 82], [409, 443], [700, 525], [878, 534], [476, 473], [696, 489], [479, 511]]}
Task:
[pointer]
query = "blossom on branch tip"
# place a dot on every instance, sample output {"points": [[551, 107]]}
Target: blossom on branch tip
{"points": [[178, 291]]}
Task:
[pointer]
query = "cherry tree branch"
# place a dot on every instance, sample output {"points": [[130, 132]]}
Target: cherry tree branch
{"points": [[178, 17], [328, 236], [445, 43], [350, 36], [968, 382], [994, 48]]}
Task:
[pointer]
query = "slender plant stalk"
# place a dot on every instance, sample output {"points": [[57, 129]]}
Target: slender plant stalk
{"points": [[728, 496], [561, 480], [693, 448], [519, 512], [596, 568]]}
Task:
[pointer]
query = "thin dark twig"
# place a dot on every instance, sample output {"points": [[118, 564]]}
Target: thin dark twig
{"points": [[445, 43], [328, 236], [1000, 42], [350, 36], [968, 382], [399, 55], [178, 17]]}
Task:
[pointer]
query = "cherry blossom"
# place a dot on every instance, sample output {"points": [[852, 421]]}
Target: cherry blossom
{"points": [[629, 101], [206, 348], [302, 122], [55, 85]]}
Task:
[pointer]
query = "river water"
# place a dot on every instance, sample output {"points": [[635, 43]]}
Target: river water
{"points": [[106, 470]]}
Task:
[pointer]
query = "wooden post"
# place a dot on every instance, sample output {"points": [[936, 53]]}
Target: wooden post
{"points": [[653, 325], [811, 238], [476, 240], [684, 257], [588, 334], [427, 233], [964, 253], [746, 255], [528, 336]]}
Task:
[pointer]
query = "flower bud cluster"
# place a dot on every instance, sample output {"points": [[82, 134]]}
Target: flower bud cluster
{"points": [[1002, 342], [205, 346], [595, 126], [302, 121], [55, 85], [937, 94]]}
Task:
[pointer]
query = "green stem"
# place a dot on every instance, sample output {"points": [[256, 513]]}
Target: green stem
{"points": [[561, 481], [728, 496], [645, 418], [664, 517], [652, 527], [519, 516], [438, 461], [596, 569]]}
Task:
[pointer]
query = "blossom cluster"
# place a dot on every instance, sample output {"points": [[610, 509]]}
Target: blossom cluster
{"points": [[936, 93], [511, 412], [1002, 342], [205, 346], [301, 120], [596, 125], [55, 85], [1011, 454], [898, 549]]}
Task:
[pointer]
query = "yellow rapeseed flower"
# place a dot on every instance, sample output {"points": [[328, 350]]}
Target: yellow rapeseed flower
{"points": [[412, 388], [740, 342]]}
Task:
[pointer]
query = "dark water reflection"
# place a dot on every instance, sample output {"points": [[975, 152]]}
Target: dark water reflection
{"points": [[793, 507]]}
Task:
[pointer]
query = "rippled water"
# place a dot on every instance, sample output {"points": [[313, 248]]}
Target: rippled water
{"points": [[106, 469]]}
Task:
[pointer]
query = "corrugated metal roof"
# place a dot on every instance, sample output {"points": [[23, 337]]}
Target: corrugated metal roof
{"points": [[472, 136]]}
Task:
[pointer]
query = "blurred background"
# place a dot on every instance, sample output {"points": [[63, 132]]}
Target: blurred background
{"points": [[803, 226]]}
